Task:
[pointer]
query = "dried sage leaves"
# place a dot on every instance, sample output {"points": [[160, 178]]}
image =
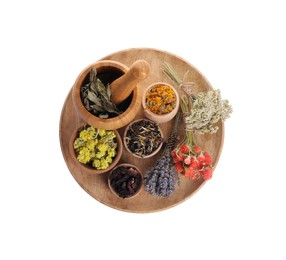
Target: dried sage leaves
{"points": [[96, 97]]}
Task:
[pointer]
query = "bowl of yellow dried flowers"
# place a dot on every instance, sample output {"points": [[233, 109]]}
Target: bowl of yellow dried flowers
{"points": [[160, 102], [95, 150]]}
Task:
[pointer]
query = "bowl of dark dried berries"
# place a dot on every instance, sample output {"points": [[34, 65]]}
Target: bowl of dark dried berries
{"points": [[125, 180], [143, 138]]}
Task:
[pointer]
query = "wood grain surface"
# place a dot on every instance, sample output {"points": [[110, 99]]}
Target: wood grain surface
{"points": [[97, 185]]}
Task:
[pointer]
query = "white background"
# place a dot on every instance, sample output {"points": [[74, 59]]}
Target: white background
{"points": [[238, 45]]}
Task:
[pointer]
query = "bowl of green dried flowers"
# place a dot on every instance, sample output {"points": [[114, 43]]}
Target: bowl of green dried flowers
{"points": [[143, 138], [95, 150], [160, 102]]}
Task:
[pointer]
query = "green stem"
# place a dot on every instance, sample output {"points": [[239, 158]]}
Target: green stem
{"points": [[171, 73], [189, 137]]}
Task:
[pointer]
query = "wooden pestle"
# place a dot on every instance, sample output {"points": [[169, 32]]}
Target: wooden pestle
{"points": [[122, 87]]}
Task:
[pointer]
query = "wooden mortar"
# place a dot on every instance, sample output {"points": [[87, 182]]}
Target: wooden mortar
{"points": [[130, 98]]}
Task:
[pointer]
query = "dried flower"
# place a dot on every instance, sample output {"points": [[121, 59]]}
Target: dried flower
{"points": [[202, 110], [161, 179], [192, 163], [207, 109], [143, 137], [161, 99], [95, 147]]}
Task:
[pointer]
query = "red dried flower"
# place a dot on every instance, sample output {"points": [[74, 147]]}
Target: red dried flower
{"points": [[196, 149], [207, 173], [181, 156], [208, 158], [201, 158], [179, 167], [184, 148], [191, 161], [189, 173], [174, 153], [187, 160], [176, 159], [194, 163]]}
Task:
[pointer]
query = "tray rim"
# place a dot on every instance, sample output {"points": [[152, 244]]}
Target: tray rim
{"points": [[222, 129]]}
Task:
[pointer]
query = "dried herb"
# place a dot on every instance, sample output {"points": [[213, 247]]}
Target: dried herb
{"points": [[143, 137], [201, 110], [162, 178], [171, 73], [96, 97], [191, 161], [125, 181], [161, 99], [95, 147]]}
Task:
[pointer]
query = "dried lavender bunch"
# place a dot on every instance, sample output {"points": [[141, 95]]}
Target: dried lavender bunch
{"points": [[162, 178]]}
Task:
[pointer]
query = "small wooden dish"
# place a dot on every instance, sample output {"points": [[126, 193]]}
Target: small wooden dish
{"points": [[137, 171], [85, 168], [108, 71], [163, 118], [133, 153]]}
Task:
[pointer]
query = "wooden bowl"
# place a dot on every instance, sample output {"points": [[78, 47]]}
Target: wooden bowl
{"points": [[86, 168], [124, 186], [135, 154], [162, 118], [107, 71]]}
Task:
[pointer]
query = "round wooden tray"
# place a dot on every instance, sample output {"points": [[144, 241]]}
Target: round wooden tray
{"points": [[96, 185]]}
